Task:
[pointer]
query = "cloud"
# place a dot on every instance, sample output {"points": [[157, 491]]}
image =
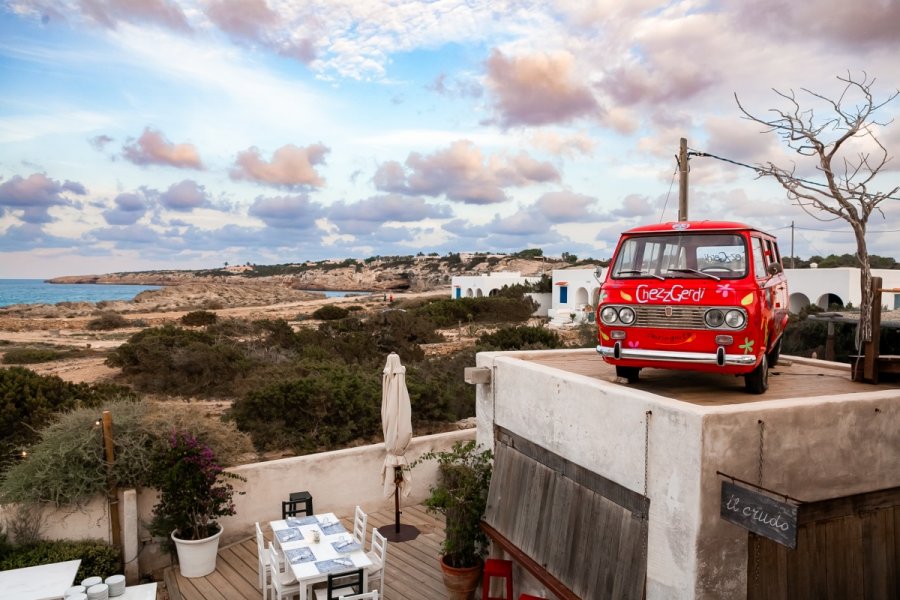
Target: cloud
{"points": [[110, 14], [290, 167], [463, 174], [253, 21], [292, 212], [184, 196], [152, 148], [563, 144], [862, 24], [538, 89], [566, 207], [366, 216], [29, 236], [100, 142], [129, 208], [635, 205], [35, 195], [131, 236]]}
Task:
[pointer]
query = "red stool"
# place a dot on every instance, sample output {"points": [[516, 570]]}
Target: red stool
{"points": [[495, 567]]}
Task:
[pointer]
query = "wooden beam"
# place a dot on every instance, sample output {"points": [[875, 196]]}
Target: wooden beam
{"points": [[556, 587]]}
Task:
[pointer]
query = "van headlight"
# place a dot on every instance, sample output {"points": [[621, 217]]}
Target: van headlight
{"points": [[608, 315], [626, 315], [735, 319], [714, 318]]}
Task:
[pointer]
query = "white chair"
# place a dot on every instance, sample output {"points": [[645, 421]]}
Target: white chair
{"points": [[263, 556], [367, 596], [359, 527], [284, 584], [378, 555]]}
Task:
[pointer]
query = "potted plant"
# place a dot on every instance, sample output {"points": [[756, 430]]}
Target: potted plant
{"points": [[464, 477], [193, 493]]}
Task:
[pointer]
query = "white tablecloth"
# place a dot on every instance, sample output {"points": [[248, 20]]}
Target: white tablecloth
{"points": [[43, 582]]}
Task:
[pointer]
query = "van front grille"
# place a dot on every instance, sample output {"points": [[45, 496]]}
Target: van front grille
{"points": [[683, 317]]}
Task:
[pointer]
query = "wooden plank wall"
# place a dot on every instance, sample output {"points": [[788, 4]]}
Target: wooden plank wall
{"points": [[593, 545], [847, 548]]}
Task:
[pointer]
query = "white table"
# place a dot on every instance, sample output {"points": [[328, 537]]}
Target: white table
{"points": [[43, 582], [145, 591], [307, 573]]}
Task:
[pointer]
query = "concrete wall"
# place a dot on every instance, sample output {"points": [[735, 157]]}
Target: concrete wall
{"points": [[337, 480], [815, 448], [812, 286]]}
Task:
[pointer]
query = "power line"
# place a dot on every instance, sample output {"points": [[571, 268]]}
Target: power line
{"points": [[762, 171]]}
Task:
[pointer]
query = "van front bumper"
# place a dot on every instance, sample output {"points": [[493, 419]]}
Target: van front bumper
{"points": [[719, 358]]}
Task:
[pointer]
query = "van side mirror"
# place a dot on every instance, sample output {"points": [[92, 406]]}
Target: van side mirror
{"points": [[598, 271], [774, 268]]}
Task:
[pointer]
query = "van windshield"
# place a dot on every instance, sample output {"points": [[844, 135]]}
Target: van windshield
{"points": [[682, 255]]}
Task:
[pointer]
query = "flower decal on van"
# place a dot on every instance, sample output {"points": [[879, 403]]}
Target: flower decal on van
{"points": [[724, 289], [747, 346], [747, 300], [625, 296]]}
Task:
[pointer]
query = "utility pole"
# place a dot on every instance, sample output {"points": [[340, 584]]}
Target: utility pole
{"points": [[792, 244], [683, 180], [112, 492]]}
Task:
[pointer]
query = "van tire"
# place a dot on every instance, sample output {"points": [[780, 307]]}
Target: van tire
{"points": [[757, 381], [630, 374], [775, 353]]}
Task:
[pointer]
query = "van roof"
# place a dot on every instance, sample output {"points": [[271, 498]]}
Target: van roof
{"points": [[694, 226]]}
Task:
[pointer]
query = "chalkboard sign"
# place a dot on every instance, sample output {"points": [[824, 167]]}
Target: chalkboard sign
{"points": [[760, 513]]}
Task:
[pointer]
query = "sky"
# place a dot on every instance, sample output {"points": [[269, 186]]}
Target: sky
{"points": [[184, 134]]}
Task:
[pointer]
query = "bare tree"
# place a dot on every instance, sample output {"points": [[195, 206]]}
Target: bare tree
{"points": [[847, 169]]}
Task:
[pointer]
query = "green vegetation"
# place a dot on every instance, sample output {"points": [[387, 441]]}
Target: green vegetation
{"points": [[29, 356], [520, 338], [107, 321], [330, 312], [448, 312], [844, 260], [66, 467], [29, 402], [96, 556], [199, 318]]}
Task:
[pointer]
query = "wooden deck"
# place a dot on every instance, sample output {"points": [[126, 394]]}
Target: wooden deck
{"points": [[792, 378], [413, 572]]}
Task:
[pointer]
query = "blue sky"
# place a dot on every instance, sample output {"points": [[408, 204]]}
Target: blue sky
{"points": [[156, 134]]}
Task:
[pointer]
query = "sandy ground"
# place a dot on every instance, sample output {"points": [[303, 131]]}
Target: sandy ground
{"points": [[19, 331]]}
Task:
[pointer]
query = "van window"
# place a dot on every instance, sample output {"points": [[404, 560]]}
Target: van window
{"points": [[682, 255], [759, 259]]}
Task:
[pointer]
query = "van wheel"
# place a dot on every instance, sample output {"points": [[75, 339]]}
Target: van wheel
{"points": [[630, 374], [757, 381], [775, 353]]}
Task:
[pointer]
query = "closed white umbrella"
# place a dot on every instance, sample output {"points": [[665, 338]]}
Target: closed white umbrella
{"points": [[396, 423]]}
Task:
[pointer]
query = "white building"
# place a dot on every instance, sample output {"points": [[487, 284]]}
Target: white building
{"points": [[575, 295], [824, 287]]}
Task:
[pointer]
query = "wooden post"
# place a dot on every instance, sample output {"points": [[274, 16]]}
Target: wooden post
{"points": [[682, 180], [112, 492], [829, 342], [872, 348]]}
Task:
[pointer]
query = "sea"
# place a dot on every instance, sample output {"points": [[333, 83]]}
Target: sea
{"points": [[36, 291]]}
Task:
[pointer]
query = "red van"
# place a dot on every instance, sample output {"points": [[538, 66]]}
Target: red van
{"points": [[697, 295]]}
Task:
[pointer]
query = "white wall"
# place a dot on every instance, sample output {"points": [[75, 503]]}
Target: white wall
{"points": [[477, 286], [582, 288], [815, 448], [844, 282]]}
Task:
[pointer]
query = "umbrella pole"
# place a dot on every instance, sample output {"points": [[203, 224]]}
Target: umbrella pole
{"points": [[398, 477]]}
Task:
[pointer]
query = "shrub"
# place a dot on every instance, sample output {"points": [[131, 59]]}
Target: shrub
{"points": [[108, 321], [448, 312], [97, 557], [192, 490], [29, 401], [66, 467], [27, 356], [520, 338], [326, 406], [330, 312], [171, 359], [199, 318]]}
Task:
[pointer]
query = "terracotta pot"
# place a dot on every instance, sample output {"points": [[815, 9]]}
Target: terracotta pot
{"points": [[460, 583], [197, 558]]}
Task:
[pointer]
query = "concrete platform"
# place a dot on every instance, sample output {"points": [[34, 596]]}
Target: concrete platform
{"points": [[794, 377]]}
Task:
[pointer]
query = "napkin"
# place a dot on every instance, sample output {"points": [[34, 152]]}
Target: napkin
{"points": [[287, 535]]}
